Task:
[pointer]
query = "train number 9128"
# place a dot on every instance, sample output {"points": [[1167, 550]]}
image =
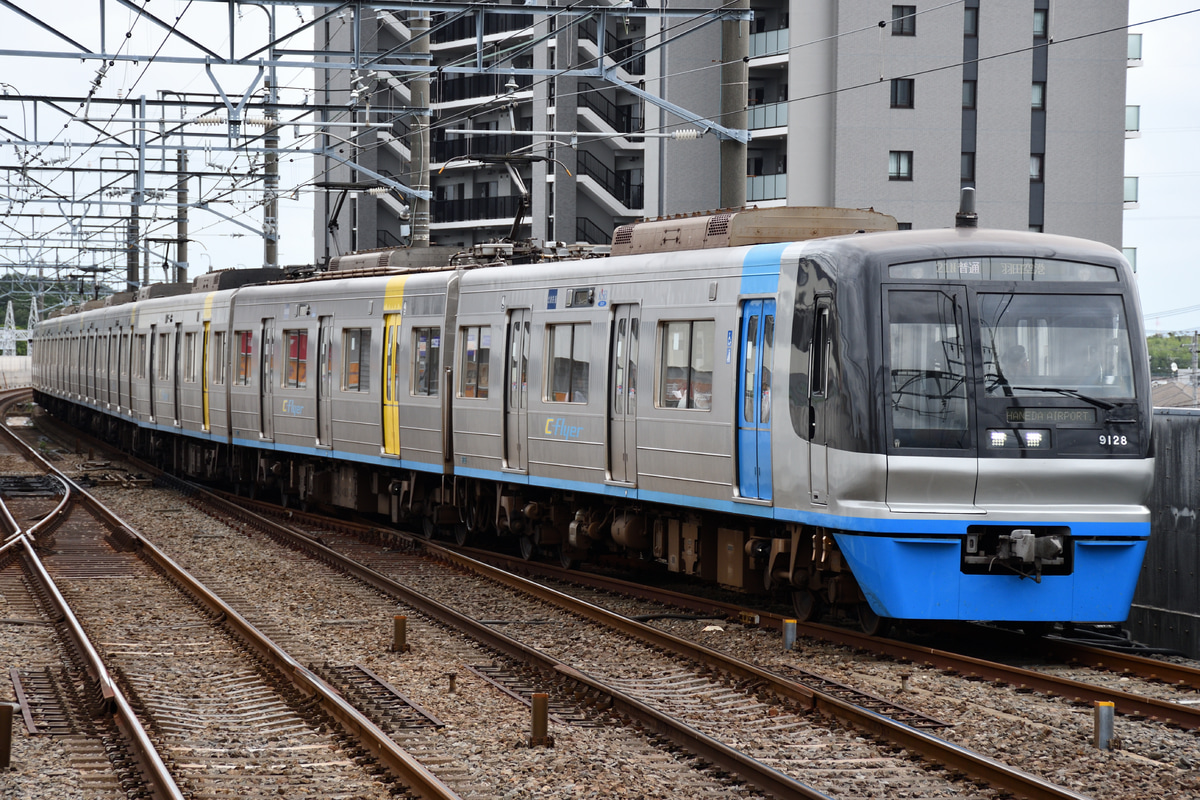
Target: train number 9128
{"points": [[1113, 440]]}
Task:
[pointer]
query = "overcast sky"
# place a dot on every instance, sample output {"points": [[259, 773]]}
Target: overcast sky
{"points": [[1166, 159]]}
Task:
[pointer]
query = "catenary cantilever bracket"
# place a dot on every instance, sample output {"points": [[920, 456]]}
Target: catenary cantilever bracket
{"points": [[235, 112], [705, 125]]}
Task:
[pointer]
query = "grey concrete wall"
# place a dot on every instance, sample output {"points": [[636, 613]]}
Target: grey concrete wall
{"points": [[1166, 605]]}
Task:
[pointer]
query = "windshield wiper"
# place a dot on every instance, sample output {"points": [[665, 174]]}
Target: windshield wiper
{"points": [[1096, 401]]}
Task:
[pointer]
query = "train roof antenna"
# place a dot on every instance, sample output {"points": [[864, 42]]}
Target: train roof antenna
{"points": [[966, 216]]}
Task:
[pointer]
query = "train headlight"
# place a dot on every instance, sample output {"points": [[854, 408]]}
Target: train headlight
{"points": [[1019, 439]]}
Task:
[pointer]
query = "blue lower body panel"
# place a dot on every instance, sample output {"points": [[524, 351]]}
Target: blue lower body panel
{"points": [[911, 577]]}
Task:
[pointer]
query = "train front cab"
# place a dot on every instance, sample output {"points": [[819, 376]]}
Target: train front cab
{"points": [[1017, 439]]}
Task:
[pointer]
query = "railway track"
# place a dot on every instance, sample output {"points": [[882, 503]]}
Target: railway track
{"points": [[766, 714], [610, 701]]}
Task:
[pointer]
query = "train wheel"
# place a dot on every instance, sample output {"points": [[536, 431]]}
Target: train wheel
{"points": [[427, 527], [806, 604], [528, 548], [568, 556], [872, 624], [460, 534]]}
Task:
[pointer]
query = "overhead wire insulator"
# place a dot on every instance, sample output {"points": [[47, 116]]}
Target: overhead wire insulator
{"points": [[686, 134]]}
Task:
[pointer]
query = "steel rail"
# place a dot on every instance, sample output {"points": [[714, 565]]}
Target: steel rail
{"points": [[950, 755], [154, 771], [1126, 703], [414, 774]]}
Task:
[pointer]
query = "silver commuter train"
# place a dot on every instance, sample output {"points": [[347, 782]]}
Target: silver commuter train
{"points": [[940, 424]]}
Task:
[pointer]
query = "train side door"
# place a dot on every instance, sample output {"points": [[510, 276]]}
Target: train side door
{"points": [[266, 405], [325, 382], [754, 399], [622, 395], [818, 391], [151, 370], [516, 399], [176, 369], [392, 359], [205, 374]]}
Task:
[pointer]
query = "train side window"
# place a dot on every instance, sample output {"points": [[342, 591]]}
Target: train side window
{"points": [[218, 358], [570, 358], [427, 349], [685, 364], [476, 356], [356, 359], [245, 357], [296, 370]]}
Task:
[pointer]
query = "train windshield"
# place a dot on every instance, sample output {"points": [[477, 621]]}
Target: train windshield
{"points": [[1033, 344]]}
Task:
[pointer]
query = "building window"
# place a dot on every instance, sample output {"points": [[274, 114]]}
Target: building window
{"points": [[971, 22], [685, 364], [967, 168], [904, 226], [1131, 191], [570, 359], [1038, 99], [427, 349], [900, 166], [1035, 167], [356, 359], [1041, 23], [296, 371], [1133, 47], [1133, 119], [476, 358], [1130, 254], [968, 94], [902, 92], [245, 355], [904, 20]]}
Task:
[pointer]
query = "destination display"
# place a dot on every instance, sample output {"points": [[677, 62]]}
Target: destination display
{"points": [[1004, 269], [1077, 416]]}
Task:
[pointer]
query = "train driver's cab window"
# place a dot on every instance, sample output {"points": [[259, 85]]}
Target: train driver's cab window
{"points": [[245, 357], [356, 359], [927, 362], [295, 374], [685, 364], [570, 362], [476, 343], [427, 349], [1036, 345]]}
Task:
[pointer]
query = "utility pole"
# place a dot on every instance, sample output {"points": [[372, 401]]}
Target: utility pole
{"points": [[735, 52], [271, 168], [418, 26], [181, 220]]}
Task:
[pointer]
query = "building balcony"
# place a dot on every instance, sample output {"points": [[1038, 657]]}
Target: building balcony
{"points": [[771, 115], [766, 187], [769, 43]]}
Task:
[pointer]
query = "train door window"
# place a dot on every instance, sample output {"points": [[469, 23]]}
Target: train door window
{"points": [[356, 363], [189, 357], [296, 370], [570, 358], [476, 355], [163, 372], [427, 348], [218, 358], [685, 364], [926, 352], [245, 357], [139, 359]]}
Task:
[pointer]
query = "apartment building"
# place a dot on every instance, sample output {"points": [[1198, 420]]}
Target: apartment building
{"points": [[850, 104]]}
